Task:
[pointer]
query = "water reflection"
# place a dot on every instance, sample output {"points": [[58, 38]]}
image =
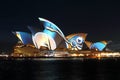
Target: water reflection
{"points": [[60, 69]]}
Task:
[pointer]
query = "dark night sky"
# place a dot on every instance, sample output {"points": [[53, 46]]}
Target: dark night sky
{"points": [[100, 19]]}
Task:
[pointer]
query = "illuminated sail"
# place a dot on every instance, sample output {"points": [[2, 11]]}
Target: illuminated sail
{"points": [[34, 30], [25, 38], [99, 46], [43, 39], [88, 43], [56, 35], [76, 40]]}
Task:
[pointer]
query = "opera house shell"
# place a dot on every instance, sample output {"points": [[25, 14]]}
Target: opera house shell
{"points": [[51, 42], [98, 46], [52, 38], [76, 41], [24, 37]]}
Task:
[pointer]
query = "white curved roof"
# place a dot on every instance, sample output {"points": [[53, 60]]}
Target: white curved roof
{"points": [[42, 39], [48, 23]]}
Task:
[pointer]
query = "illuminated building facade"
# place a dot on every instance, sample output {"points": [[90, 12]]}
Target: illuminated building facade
{"points": [[44, 38], [98, 46], [24, 37], [76, 41], [51, 37]]}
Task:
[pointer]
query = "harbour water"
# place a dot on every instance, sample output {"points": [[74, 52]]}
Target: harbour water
{"points": [[60, 69]]}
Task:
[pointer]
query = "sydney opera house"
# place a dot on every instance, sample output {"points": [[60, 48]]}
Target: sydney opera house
{"points": [[51, 38]]}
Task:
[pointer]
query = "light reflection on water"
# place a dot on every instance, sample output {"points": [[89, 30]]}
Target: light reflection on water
{"points": [[60, 69], [50, 59]]}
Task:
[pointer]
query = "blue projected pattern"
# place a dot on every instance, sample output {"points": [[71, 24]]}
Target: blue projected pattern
{"points": [[26, 38], [47, 23], [52, 37], [54, 32], [98, 45], [77, 41]]}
